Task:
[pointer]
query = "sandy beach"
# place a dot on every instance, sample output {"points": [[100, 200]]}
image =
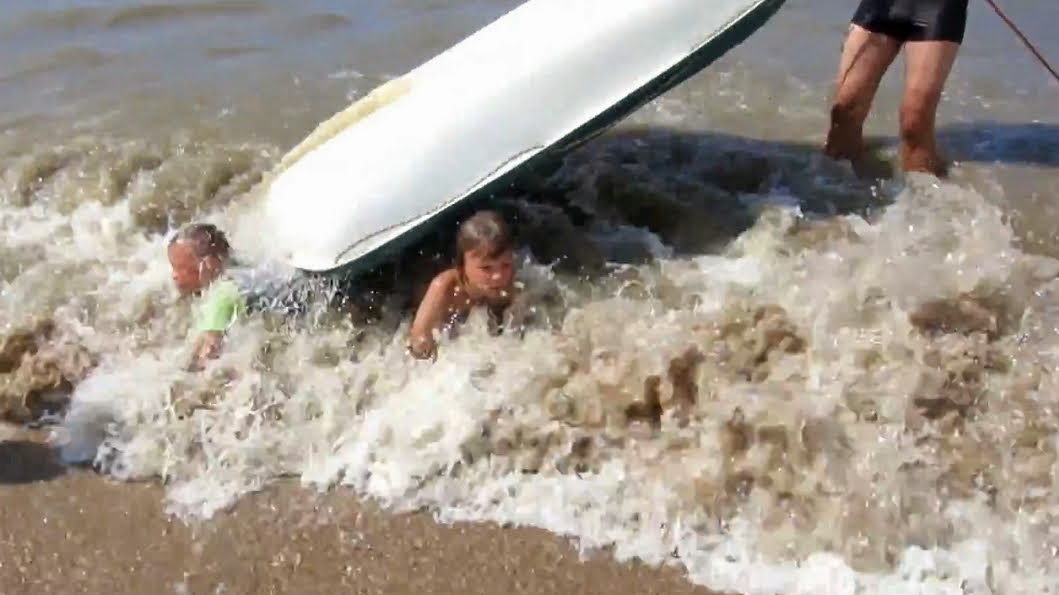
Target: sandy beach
{"points": [[65, 531]]}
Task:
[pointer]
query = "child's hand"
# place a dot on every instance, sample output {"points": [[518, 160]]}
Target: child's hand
{"points": [[431, 314], [423, 347], [207, 348]]}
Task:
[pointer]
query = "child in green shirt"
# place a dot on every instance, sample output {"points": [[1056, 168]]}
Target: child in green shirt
{"points": [[199, 255]]}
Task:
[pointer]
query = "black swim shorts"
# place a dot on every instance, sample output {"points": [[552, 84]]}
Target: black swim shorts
{"points": [[914, 20]]}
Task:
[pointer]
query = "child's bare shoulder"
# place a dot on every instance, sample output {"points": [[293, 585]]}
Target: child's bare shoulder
{"points": [[446, 280]]}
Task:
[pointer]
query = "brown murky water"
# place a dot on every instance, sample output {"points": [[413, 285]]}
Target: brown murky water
{"points": [[741, 357]]}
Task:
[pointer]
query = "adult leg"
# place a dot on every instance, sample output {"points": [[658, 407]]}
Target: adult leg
{"points": [[866, 56], [931, 51], [928, 66]]}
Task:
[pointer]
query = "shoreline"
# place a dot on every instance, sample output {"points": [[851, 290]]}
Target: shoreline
{"points": [[61, 527]]}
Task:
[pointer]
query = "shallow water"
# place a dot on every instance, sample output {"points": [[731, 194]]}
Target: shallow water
{"points": [[746, 363]]}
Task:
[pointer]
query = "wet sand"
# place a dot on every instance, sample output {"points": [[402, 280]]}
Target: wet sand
{"points": [[66, 530]]}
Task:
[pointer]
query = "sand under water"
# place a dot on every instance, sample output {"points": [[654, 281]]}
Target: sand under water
{"points": [[745, 369]]}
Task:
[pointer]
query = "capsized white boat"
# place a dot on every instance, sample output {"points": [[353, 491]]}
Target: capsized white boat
{"points": [[529, 86]]}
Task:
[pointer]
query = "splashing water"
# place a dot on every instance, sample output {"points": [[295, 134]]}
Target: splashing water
{"points": [[745, 364]]}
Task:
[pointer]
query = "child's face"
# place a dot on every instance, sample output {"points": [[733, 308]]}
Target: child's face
{"points": [[191, 273], [490, 275]]}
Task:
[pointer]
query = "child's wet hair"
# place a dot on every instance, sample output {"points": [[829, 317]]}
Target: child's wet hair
{"points": [[205, 240], [484, 229]]}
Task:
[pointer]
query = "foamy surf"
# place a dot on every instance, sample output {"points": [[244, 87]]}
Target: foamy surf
{"points": [[788, 415]]}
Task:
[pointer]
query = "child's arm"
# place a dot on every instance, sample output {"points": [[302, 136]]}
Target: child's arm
{"points": [[431, 314], [207, 346], [218, 311]]}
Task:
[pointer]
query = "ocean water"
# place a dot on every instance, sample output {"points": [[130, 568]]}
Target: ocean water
{"points": [[746, 363]]}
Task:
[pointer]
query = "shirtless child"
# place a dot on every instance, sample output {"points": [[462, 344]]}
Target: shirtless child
{"points": [[484, 275]]}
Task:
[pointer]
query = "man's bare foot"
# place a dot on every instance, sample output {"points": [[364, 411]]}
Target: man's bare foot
{"points": [[925, 162]]}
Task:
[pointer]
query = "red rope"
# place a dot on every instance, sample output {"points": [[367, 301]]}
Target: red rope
{"points": [[1025, 41]]}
